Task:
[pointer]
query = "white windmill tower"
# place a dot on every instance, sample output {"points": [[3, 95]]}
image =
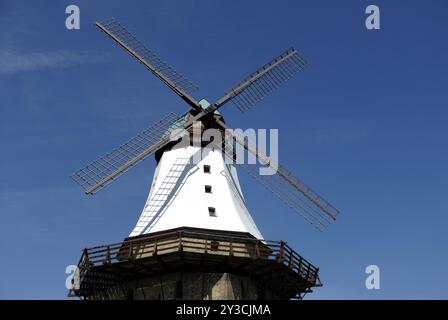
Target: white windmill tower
{"points": [[195, 230]]}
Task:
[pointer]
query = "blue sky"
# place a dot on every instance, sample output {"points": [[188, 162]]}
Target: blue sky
{"points": [[365, 125]]}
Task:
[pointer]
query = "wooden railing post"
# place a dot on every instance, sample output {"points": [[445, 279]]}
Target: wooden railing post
{"points": [[281, 255], [87, 259], [179, 235], [130, 253], [315, 275], [108, 258], [291, 261]]}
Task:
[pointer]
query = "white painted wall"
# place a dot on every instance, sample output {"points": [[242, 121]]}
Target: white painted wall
{"points": [[187, 203]]}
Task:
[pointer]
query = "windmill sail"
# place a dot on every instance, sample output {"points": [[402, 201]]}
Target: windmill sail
{"points": [[302, 200], [288, 188], [104, 170], [263, 81], [178, 83]]}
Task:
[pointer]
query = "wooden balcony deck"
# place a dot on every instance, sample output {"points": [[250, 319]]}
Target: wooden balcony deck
{"points": [[272, 262]]}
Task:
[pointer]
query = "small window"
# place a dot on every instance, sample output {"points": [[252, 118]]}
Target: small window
{"points": [[212, 212], [206, 168], [208, 189]]}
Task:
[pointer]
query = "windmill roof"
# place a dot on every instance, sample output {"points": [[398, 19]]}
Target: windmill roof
{"points": [[182, 119]]}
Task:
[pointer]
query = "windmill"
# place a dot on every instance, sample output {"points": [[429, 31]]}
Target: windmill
{"points": [[195, 230]]}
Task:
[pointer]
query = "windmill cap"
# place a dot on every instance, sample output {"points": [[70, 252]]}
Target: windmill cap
{"points": [[205, 104]]}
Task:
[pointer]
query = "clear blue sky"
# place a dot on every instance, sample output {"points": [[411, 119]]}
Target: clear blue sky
{"points": [[366, 125]]}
